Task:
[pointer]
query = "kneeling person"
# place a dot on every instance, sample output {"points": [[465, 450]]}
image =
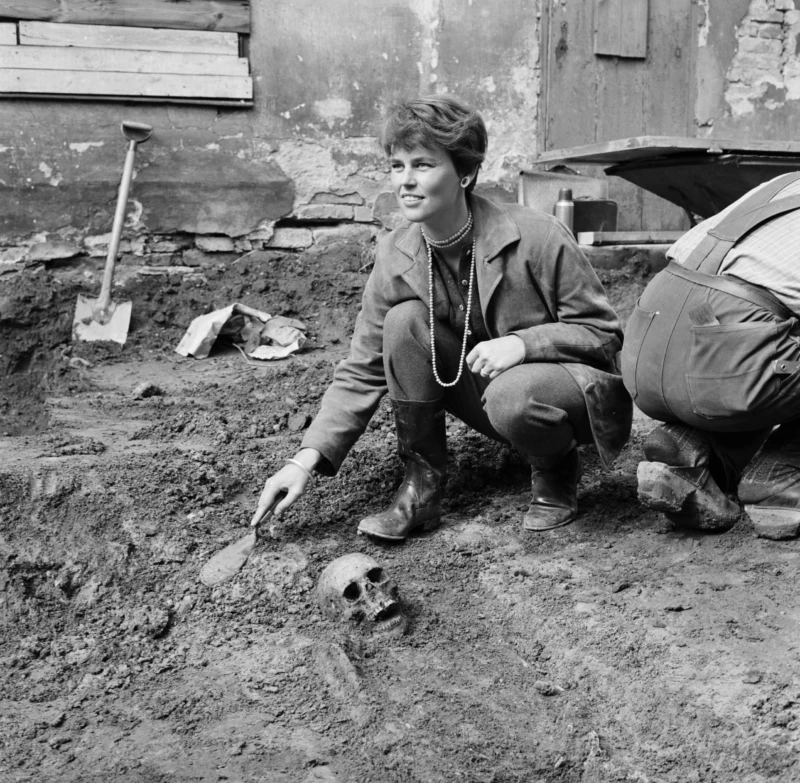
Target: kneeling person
{"points": [[713, 350], [489, 312]]}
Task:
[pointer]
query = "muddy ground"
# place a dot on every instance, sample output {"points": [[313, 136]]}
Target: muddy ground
{"points": [[616, 649]]}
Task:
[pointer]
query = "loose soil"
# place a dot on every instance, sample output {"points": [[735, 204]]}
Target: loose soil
{"points": [[615, 649]]}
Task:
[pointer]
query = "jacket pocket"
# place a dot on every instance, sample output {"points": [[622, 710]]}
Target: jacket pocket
{"points": [[635, 335], [730, 372]]}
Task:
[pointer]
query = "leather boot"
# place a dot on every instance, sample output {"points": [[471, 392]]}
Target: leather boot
{"points": [[554, 490], [770, 491], [422, 443], [677, 480]]}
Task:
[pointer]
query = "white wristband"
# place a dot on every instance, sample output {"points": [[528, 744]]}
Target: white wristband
{"points": [[303, 468]]}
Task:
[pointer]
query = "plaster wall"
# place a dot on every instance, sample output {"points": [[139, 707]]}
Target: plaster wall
{"points": [[281, 174], [748, 69]]}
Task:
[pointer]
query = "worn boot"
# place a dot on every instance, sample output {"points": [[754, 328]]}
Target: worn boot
{"points": [[677, 481], [422, 443], [770, 491], [554, 490]]}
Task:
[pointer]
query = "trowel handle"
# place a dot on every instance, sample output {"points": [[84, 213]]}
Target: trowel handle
{"points": [[119, 219], [268, 513]]}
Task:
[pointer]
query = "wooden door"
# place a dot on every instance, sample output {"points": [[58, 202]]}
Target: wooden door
{"points": [[589, 97]]}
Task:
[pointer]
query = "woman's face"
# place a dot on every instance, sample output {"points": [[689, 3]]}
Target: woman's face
{"points": [[427, 186]]}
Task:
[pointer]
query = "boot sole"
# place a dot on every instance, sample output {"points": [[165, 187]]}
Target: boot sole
{"points": [[775, 523], [424, 526], [662, 490], [531, 526]]}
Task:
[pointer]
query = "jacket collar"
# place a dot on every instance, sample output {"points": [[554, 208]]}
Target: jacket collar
{"points": [[494, 230]]}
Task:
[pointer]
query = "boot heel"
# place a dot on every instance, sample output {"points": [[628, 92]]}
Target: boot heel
{"points": [[775, 523], [661, 489]]}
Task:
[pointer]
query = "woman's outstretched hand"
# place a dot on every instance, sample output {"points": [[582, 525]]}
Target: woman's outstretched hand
{"points": [[284, 487], [492, 357]]}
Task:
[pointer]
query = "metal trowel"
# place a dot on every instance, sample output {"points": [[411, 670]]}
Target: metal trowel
{"points": [[229, 561]]}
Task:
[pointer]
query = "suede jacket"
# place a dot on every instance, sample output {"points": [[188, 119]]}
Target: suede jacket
{"points": [[533, 281]]}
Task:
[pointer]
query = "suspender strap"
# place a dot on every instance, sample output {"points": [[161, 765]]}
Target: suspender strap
{"points": [[751, 213]]}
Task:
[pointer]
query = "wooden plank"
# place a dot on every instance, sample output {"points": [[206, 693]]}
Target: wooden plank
{"points": [[649, 147], [102, 60], [607, 29], [139, 39], [8, 34], [572, 88], [231, 104], [621, 28], [628, 237], [86, 83], [232, 16]]}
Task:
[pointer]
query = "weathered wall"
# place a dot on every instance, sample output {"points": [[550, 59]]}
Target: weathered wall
{"points": [[748, 69], [304, 158]]}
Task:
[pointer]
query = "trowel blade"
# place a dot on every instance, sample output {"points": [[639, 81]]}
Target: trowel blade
{"points": [[90, 324], [229, 561]]}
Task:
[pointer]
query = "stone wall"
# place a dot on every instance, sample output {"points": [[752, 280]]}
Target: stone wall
{"points": [[300, 164], [748, 69]]}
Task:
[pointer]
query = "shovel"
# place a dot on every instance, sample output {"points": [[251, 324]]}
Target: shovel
{"points": [[229, 561], [102, 319]]}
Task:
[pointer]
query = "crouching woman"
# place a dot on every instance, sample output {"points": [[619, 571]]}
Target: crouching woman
{"points": [[488, 312]]}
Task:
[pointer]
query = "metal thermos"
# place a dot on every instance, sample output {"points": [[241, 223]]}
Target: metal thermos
{"points": [[565, 207]]}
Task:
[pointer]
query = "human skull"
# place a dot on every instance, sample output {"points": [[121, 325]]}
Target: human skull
{"points": [[354, 588]]}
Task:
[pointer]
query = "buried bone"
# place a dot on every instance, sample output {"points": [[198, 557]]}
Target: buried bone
{"points": [[355, 589]]}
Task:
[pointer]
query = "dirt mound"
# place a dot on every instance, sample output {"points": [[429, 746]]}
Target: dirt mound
{"points": [[614, 649]]}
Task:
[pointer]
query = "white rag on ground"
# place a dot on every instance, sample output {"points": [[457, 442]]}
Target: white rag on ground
{"points": [[263, 336]]}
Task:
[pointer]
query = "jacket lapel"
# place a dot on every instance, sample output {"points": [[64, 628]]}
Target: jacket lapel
{"points": [[410, 244], [494, 231]]}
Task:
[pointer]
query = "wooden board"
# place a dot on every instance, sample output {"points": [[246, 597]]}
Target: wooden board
{"points": [[24, 96], [621, 28], [102, 60], [86, 83], [220, 15], [644, 147], [80, 35], [628, 237], [8, 34]]}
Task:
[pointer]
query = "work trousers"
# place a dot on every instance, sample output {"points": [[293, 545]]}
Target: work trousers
{"points": [[537, 408], [716, 354]]}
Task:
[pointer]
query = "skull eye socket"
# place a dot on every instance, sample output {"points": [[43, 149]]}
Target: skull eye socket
{"points": [[352, 592], [376, 575]]}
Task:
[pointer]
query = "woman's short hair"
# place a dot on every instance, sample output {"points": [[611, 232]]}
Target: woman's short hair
{"points": [[437, 121]]}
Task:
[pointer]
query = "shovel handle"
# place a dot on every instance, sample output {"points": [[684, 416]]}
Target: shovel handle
{"points": [[119, 215]]}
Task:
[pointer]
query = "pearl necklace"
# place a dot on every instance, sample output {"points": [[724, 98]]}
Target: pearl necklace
{"points": [[454, 238], [469, 307]]}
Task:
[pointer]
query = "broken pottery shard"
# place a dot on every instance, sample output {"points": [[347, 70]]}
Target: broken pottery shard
{"points": [[283, 331], [276, 352], [246, 326], [356, 590], [204, 330]]}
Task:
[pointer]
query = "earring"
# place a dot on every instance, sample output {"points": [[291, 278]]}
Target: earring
{"points": [[465, 182]]}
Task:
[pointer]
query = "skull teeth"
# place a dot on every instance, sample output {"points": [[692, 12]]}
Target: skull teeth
{"points": [[390, 620]]}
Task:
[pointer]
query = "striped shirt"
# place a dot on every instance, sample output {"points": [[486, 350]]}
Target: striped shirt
{"points": [[768, 256]]}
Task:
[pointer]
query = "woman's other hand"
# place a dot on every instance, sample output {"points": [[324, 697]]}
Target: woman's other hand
{"points": [[290, 482], [492, 357]]}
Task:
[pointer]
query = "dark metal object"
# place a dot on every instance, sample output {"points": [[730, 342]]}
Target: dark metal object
{"points": [[704, 184]]}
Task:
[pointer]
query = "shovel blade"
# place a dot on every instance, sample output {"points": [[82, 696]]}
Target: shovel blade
{"points": [[91, 323], [228, 562]]}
